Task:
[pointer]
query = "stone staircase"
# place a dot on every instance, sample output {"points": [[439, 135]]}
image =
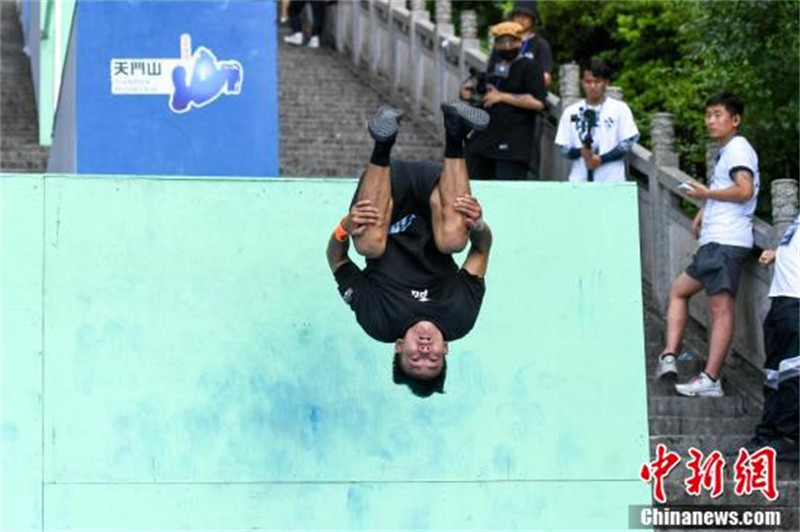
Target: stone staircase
{"points": [[324, 108], [710, 424], [19, 136]]}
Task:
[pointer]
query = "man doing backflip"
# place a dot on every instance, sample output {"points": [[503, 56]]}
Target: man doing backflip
{"points": [[408, 219]]}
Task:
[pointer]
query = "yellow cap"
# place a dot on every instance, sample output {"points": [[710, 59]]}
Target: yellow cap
{"points": [[507, 28]]}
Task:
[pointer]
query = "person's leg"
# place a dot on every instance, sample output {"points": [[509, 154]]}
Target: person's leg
{"points": [[449, 228], [781, 408], [479, 167], [721, 306], [510, 170], [536, 148], [375, 184], [295, 11], [284, 10], [318, 10], [683, 288]]}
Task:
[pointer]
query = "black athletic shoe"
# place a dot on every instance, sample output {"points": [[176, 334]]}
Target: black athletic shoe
{"points": [[383, 124], [460, 118]]}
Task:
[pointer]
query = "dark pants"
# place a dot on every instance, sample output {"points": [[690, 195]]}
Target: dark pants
{"points": [[485, 168], [317, 8], [781, 411], [536, 148]]}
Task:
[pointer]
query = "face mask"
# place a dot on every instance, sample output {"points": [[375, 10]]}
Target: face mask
{"points": [[508, 55]]}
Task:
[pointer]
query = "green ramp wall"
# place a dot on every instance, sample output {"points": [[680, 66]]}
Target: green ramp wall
{"points": [[175, 356]]}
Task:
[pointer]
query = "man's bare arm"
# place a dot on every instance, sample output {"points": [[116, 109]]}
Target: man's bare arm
{"points": [[337, 253], [480, 238]]}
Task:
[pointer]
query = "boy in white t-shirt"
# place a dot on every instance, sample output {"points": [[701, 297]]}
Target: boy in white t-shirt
{"points": [[596, 133], [724, 227], [780, 422]]}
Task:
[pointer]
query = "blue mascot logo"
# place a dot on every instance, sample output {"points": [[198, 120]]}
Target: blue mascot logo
{"points": [[192, 81], [200, 78]]}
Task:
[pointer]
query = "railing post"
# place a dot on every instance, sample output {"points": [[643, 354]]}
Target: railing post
{"points": [[373, 39], [357, 33], [784, 205], [418, 12], [444, 29], [661, 201], [662, 134], [469, 39], [612, 91], [570, 87], [341, 25]]}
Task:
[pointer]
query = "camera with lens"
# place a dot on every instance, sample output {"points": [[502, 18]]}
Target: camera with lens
{"points": [[585, 120], [496, 75]]}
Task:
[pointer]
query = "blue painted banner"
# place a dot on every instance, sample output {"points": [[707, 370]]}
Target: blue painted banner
{"points": [[177, 87]]}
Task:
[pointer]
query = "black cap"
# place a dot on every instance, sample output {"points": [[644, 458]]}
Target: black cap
{"points": [[526, 7]]}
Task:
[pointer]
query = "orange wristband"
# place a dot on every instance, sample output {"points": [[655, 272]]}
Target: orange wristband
{"points": [[340, 233]]}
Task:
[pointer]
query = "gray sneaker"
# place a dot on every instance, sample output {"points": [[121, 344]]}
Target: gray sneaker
{"points": [[384, 123], [460, 118], [667, 365]]}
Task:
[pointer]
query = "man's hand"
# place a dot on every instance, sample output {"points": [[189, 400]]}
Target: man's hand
{"points": [[591, 158], [698, 191], [492, 96], [469, 207], [362, 214], [767, 257]]}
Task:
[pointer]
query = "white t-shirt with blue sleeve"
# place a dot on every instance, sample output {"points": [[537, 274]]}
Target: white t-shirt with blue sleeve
{"points": [[727, 222]]}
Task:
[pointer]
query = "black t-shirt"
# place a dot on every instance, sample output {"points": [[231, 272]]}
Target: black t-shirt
{"points": [[412, 280], [538, 49], [510, 133]]}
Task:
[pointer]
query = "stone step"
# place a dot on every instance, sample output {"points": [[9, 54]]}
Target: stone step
{"points": [[702, 426], [676, 494], [678, 405], [727, 442]]}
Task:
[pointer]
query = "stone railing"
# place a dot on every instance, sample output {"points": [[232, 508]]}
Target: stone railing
{"points": [[420, 63]]}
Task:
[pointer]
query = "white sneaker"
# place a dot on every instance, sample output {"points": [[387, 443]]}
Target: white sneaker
{"points": [[701, 386], [666, 365], [313, 42], [295, 39]]}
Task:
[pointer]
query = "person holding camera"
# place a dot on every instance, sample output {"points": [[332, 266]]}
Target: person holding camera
{"points": [[512, 91], [597, 132]]}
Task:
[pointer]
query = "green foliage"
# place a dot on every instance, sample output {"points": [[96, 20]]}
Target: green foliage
{"points": [[672, 55]]}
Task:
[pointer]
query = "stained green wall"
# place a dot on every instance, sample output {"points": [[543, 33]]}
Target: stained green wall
{"points": [[200, 370]]}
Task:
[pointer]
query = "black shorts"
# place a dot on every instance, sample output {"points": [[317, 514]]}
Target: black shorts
{"points": [[411, 256], [718, 267]]}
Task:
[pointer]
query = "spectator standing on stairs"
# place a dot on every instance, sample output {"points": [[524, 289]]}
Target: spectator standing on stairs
{"points": [[535, 47], [295, 9], [596, 133], [779, 424], [724, 227]]}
